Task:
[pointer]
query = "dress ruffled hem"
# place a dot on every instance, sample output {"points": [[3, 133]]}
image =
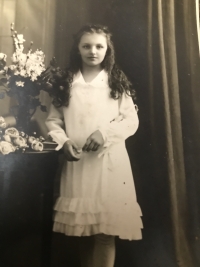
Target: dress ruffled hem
{"points": [[85, 217], [120, 218], [88, 230]]}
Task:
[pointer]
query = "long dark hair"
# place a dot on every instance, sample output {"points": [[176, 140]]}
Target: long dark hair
{"points": [[118, 82]]}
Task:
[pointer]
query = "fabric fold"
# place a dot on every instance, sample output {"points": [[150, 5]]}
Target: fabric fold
{"points": [[83, 217]]}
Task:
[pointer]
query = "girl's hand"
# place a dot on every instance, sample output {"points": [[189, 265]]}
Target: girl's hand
{"points": [[94, 141], [71, 151]]}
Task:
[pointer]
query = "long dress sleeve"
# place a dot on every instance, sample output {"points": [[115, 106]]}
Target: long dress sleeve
{"points": [[125, 125], [55, 125]]}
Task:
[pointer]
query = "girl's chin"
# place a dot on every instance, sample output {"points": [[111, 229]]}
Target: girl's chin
{"points": [[92, 64]]}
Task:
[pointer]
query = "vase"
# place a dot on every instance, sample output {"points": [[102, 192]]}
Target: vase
{"points": [[27, 101], [23, 118]]}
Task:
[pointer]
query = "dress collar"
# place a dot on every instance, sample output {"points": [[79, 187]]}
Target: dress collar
{"points": [[99, 80]]}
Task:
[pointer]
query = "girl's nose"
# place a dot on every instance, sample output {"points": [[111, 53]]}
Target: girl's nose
{"points": [[93, 50]]}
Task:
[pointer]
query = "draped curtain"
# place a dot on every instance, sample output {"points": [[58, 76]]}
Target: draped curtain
{"points": [[198, 20], [174, 68]]}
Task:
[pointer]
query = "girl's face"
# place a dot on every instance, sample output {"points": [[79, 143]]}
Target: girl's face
{"points": [[92, 48]]}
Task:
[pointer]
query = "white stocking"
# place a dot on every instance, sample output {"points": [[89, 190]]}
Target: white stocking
{"points": [[104, 251]]}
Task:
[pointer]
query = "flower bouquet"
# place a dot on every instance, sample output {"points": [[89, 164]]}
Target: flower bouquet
{"points": [[12, 140], [23, 80]]}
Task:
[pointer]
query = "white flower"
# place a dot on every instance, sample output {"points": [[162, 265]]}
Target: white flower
{"points": [[12, 67], [36, 145], [3, 56], [20, 38], [13, 132], [19, 58], [23, 73], [20, 141], [6, 148], [7, 138], [22, 58], [31, 139], [2, 119], [33, 77], [20, 83], [20, 48], [16, 72], [2, 123], [15, 58], [39, 53]]}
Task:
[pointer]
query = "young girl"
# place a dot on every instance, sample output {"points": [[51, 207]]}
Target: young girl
{"points": [[91, 121]]}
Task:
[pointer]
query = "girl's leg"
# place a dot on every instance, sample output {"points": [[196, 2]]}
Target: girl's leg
{"points": [[104, 251], [86, 245]]}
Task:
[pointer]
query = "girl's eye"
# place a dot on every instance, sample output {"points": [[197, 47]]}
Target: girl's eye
{"points": [[99, 46], [86, 46]]}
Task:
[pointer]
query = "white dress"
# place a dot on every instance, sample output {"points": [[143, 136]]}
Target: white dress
{"points": [[97, 193]]}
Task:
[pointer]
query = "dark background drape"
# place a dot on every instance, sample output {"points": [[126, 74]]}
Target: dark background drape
{"points": [[157, 47]]}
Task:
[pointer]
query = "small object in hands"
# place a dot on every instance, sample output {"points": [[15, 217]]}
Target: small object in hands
{"points": [[94, 141], [71, 151], [77, 151]]}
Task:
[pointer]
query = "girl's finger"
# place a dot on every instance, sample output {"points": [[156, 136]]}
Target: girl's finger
{"points": [[95, 148], [73, 156], [90, 146], [87, 144]]}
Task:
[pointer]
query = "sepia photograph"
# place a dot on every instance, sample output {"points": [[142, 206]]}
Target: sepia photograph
{"points": [[99, 133]]}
